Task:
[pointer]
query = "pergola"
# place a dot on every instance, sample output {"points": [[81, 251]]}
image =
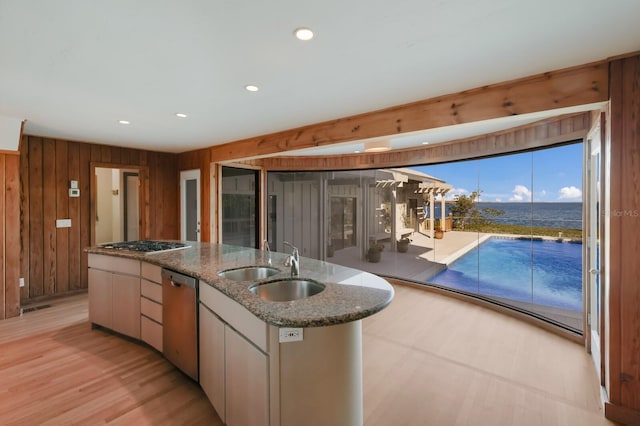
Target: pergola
{"points": [[432, 189], [421, 183]]}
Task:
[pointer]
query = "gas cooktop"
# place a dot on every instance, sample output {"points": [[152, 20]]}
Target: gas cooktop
{"points": [[145, 246]]}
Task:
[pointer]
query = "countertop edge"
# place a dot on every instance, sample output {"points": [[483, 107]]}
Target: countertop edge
{"points": [[314, 311]]}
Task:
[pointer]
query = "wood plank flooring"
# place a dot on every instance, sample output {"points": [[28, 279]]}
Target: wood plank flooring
{"points": [[428, 360], [56, 370]]}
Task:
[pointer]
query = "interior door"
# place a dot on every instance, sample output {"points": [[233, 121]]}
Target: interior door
{"points": [[131, 207], [190, 205], [594, 314]]}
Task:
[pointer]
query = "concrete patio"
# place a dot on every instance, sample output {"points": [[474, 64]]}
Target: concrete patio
{"points": [[425, 257]]}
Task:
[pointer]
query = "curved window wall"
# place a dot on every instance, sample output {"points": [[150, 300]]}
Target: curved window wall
{"points": [[507, 229]]}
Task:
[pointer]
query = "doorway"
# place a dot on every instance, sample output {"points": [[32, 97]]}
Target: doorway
{"points": [[343, 222], [240, 201], [116, 210], [190, 205]]}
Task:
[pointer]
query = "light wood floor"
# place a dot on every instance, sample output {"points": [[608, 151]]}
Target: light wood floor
{"points": [[56, 370], [428, 360], [433, 360]]}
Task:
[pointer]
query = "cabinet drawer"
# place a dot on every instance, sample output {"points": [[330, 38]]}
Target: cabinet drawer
{"points": [[236, 315], [151, 272], [151, 309], [119, 265], [151, 333], [151, 290]]}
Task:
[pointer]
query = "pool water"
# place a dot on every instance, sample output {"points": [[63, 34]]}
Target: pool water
{"points": [[542, 272]]}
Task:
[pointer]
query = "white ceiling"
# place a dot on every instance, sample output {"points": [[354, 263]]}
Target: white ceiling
{"points": [[73, 68]]}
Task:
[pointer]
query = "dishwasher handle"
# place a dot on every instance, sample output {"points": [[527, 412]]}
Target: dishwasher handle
{"points": [[177, 279]]}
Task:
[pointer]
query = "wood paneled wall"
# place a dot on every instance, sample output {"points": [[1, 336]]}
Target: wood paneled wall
{"points": [[624, 217], [200, 159], [10, 233], [52, 260]]}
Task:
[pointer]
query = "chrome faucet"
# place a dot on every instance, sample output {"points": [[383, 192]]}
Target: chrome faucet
{"points": [[293, 260], [268, 249]]}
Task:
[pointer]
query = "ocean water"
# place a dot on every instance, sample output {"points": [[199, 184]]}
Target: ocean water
{"points": [[551, 215], [542, 272]]}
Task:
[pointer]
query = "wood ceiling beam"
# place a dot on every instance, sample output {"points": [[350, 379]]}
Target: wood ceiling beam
{"points": [[547, 132], [569, 87]]}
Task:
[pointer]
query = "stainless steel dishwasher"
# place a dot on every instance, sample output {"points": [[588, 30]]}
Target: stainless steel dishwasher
{"points": [[180, 321]]}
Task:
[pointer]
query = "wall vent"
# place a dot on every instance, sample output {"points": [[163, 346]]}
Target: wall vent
{"points": [[34, 308]]}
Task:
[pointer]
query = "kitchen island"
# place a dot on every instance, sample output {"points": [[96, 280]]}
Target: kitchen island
{"points": [[260, 361]]}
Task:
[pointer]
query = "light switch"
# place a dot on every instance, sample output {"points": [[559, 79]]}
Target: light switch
{"points": [[63, 223]]}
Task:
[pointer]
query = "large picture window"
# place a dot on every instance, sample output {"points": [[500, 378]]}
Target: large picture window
{"points": [[506, 229]]}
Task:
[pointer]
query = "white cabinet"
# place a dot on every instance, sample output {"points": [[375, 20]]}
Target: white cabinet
{"points": [[247, 381], [126, 310], [114, 294], [100, 298], [234, 371], [151, 305], [212, 377]]}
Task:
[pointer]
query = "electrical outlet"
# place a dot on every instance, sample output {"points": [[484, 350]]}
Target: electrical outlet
{"points": [[21, 281], [290, 335]]}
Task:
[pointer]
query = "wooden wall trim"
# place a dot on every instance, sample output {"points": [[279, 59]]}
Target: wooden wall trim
{"points": [[3, 263], [10, 230], [621, 414], [547, 132], [624, 247], [581, 85]]}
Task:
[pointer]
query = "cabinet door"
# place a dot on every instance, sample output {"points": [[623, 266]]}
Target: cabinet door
{"points": [[100, 298], [126, 305], [212, 359], [247, 382]]}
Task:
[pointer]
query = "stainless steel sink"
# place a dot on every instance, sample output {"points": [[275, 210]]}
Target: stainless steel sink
{"points": [[286, 290], [249, 273]]}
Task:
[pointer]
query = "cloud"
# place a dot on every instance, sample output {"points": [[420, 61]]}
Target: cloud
{"points": [[520, 193], [543, 193], [498, 200], [569, 192], [451, 195]]}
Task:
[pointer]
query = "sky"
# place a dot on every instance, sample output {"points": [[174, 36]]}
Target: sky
{"points": [[548, 175]]}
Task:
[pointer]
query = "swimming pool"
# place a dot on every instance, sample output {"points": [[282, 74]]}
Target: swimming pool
{"points": [[534, 271]]}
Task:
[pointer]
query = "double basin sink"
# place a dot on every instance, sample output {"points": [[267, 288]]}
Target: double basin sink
{"points": [[278, 290]]}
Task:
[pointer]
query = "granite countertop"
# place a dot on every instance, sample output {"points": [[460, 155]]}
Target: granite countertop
{"points": [[350, 294]]}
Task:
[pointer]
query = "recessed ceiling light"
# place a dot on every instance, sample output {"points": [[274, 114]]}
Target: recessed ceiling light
{"points": [[377, 146], [251, 88], [304, 34], [124, 122], [425, 143], [181, 115], [356, 152]]}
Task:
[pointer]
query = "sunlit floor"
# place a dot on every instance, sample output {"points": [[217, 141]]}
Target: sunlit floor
{"points": [[428, 360], [434, 360]]}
